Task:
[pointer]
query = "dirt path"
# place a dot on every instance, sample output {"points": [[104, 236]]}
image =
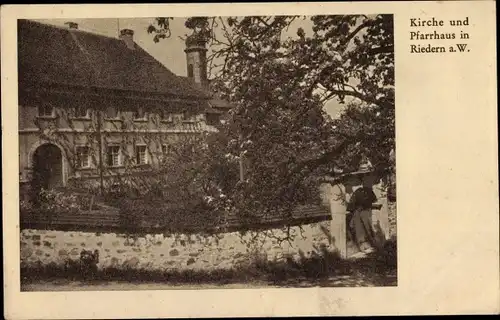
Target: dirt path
{"points": [[126, 286], [356, 280]]}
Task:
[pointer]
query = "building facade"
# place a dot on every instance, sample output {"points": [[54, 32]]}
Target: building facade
{"points": [[93, 108]]}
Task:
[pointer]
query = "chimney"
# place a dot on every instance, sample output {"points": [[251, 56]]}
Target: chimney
{"points": [[71, 25], [127, 36], [196, 59]]}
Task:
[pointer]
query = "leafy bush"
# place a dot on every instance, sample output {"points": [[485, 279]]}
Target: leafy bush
{"points": [[166, 216], [49, 200], [389, 253], [56, 201], [26, 205]]}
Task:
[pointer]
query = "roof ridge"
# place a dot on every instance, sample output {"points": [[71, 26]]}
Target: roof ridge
{"points": [[72, 30]]}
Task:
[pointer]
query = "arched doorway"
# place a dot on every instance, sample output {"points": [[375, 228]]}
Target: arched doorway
{"points": [[47, 167]]}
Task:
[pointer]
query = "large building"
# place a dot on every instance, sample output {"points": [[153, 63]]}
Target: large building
{"points": [[96, 109], [93, 107]]}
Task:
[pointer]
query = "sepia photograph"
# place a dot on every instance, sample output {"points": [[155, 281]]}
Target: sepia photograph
{"points": [[220, 152], [253, 158]]}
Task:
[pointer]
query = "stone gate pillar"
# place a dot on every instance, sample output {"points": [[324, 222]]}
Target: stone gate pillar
{"points": [[380, 217], [338, 227]]}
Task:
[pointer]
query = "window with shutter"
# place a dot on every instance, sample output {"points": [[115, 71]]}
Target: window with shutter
{"points": [[113, 156], [141, 155], [82, 157]]}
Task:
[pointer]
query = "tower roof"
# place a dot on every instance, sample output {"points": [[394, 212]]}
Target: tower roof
{"points": [[196, 41]]}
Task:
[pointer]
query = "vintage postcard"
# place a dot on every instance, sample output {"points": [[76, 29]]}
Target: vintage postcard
{"points": [[259, 159]]}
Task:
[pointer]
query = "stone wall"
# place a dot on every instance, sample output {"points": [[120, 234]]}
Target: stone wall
{"points": [[392, 219], [172, 252]]}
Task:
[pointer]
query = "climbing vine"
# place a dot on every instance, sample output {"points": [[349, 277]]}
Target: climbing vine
{"points": [[180, 123]]}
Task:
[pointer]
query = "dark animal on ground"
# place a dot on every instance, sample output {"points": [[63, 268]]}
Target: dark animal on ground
{"points": [[88, 263]]}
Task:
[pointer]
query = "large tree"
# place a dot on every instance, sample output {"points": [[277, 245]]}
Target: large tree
{"points": [[279, 85]]}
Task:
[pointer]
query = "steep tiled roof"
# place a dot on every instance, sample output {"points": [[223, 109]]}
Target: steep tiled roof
{"points": [[53, 55], [217, 105]]}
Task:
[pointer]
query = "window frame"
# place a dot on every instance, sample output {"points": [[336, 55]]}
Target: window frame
{"points": [[190, 70], [138, 157], [44, 108], [79, 158], [190, 119], [144, 115], [118, 156], [116, 118], [167, 119], [166, 150], [213, 119], [75, 114]]}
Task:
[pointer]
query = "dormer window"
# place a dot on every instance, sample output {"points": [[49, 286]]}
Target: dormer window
{"points": [[166, 116], [46, 111], [213, 119], [112, 113], [139, 114], [81, 112], [188, 117]]}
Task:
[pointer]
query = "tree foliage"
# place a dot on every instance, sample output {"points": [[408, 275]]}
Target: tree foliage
{"points": [[279, 84]]}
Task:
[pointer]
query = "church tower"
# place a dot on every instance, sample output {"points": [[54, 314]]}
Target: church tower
{"points": [[196, 58]]}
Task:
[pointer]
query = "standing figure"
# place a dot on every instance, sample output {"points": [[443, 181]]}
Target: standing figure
{"points": [[362, 201]]}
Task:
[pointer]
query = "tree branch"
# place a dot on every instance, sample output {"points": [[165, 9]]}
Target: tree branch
{"points": [[383, 49], [356, 31]]}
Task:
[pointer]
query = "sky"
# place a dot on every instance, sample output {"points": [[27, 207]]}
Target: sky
{"points": [[169, 51]]}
